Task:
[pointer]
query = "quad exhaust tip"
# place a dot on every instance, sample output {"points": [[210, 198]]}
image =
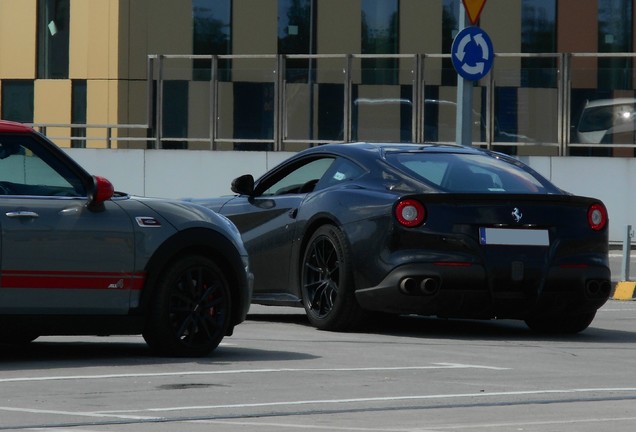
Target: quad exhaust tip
{"points": [[426, 286], [597, 288]]}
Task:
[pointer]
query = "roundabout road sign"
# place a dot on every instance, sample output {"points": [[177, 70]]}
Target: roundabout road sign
{"points": [[472, 53]]}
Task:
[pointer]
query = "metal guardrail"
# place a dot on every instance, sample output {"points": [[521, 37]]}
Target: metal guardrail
{"points": [[156, 77], [108, 138]]}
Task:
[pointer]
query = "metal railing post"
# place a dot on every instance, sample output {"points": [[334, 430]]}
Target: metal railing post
{"points": [[627, 248], [159, 105], [420, 98], [279, 87], [150, 71], [490, 109], [415, 127], [214, 86], [347, 98], [562, 104]]}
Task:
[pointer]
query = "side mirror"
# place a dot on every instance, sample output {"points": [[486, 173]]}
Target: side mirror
{"points": [[243, 185], [103, 190]]}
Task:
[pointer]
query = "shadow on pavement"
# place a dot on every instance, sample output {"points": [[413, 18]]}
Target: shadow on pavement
{"points": [[100, 352], [461, 329]]}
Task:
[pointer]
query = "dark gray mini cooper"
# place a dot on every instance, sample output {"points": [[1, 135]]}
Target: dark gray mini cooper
{"points": [[78, 258]]}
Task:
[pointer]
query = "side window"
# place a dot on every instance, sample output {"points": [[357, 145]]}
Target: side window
{"points": [[342, 170], [302, 179], [24, 172]]}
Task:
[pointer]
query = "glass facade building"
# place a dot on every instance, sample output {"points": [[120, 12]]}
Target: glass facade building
{"points": [[286, 74]]}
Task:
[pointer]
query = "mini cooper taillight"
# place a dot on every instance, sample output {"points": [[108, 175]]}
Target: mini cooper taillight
{"points": [[597, 216], [410, 213]]}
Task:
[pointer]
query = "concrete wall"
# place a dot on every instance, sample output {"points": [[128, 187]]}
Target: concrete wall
{"points": [[198, 174]]}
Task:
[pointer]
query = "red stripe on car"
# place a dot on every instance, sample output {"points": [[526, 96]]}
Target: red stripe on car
{"points": [[72, 280]]}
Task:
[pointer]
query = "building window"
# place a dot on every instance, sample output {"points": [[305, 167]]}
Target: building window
{"points": [[253, 114], [615, 33], [53, 36], [296, 35], [17, 100], [211, 34], [538, 35], [380, 35], [175, 108], [450, 28], [78, 112]]}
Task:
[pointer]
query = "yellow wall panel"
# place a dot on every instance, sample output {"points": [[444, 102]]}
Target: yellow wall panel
{"points": [[52, 101], [97, 111], [52, 104], [93, 47], [17, 38], [79, 40]]}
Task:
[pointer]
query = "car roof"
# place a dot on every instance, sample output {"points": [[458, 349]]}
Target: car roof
{"points": [[13, 127], [609, 102], [380, 149]]}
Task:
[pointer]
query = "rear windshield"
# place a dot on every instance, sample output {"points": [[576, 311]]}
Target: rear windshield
{"points": [[455, 172], [605, 117]]}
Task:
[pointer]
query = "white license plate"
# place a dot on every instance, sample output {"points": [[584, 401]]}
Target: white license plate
{"points": [[514, 237]]}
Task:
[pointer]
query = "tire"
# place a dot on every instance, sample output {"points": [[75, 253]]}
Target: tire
{"points": [[562, 324], [191, 309], [327, 286]]}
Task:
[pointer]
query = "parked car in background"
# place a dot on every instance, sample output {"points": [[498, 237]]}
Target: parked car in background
{"points": [[354, 231], [603, 117], [78, 258]]}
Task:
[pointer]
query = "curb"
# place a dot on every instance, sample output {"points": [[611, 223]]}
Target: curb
{"points": [[624, 290]]}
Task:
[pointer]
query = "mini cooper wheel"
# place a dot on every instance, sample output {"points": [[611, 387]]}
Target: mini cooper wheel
{"points": [[190, 313], [561, 324], [327, 282]]}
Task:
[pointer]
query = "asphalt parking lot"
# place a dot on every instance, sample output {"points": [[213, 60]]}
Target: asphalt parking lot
{"points": [[279, 374]]}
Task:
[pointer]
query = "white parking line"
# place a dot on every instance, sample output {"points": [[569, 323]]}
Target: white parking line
{"points": [[379, 399], [127, 414], [77, 413], [247, 371], [471, 426]]}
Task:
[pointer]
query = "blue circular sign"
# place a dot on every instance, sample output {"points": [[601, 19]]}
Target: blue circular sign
{"points": [[472, 53]]}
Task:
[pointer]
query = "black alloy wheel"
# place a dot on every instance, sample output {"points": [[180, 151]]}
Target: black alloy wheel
{"points": [[191, 310], [327, 282]]}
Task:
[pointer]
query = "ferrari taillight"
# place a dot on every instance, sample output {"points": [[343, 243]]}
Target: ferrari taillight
{"points": [[597, 216], [410, 213]]}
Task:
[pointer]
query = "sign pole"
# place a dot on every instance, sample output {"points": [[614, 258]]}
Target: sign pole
{"points": [[463, 126]]}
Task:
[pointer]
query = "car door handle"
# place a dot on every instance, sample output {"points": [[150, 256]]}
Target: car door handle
{"points": [[293, 213], [22, 214]]}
